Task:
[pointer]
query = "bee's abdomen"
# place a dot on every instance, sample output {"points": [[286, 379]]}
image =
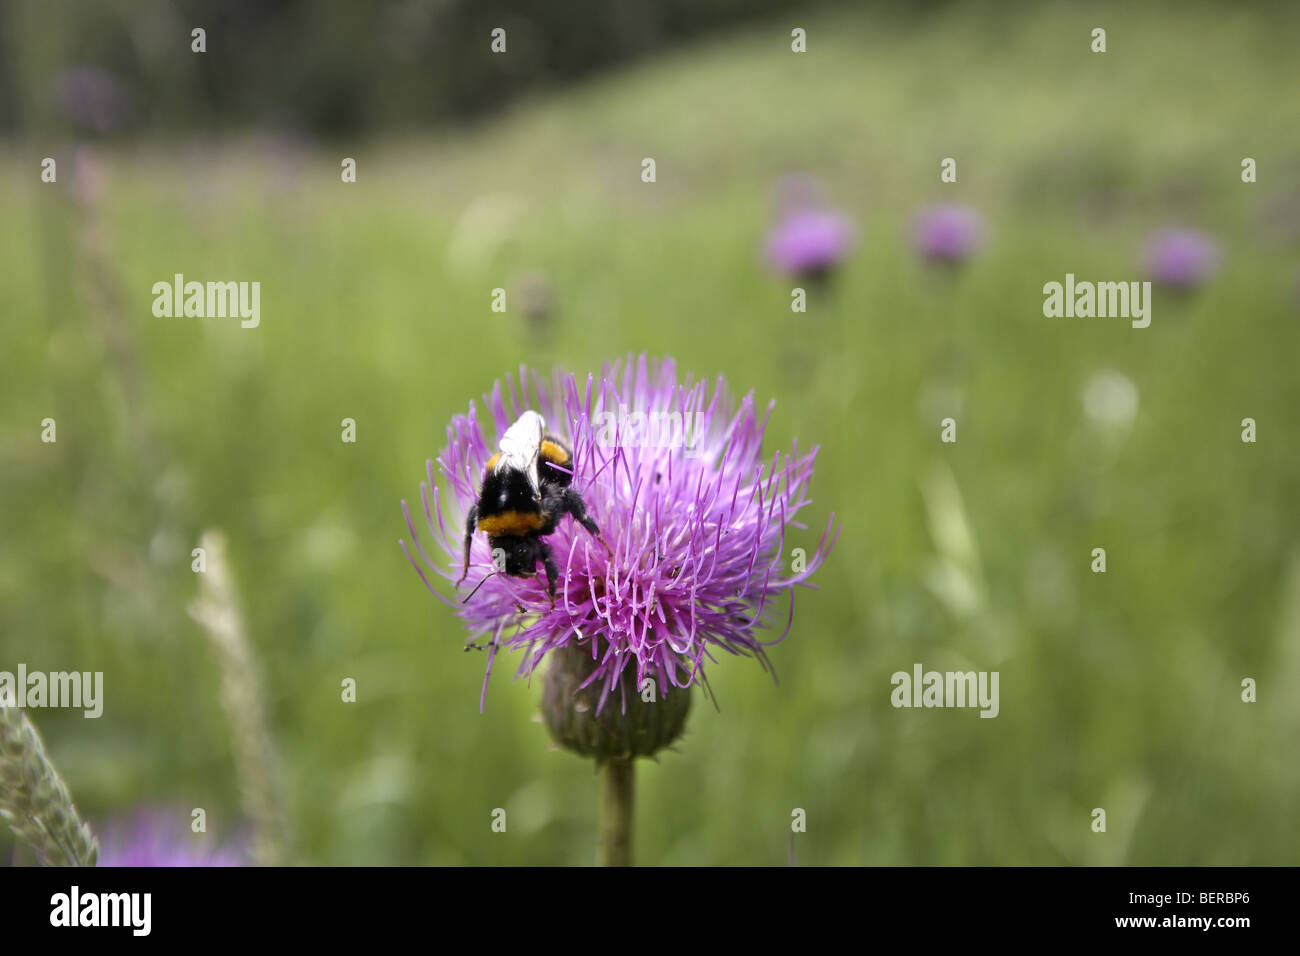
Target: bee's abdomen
{"points": [[512, 523], [506, 505]]}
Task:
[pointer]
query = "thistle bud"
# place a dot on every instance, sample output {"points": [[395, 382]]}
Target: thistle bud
{"points": [[636, 722]]}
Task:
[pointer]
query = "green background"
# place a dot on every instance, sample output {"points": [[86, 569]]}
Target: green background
{"points": [[1119, 690]]}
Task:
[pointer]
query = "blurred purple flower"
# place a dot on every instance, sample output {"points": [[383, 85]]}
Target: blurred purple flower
{"points": [[92, 98], [160, 837], [809, 239], [1181, 258], [535, 296], [810, 243], [697, 527], [947, 234]]}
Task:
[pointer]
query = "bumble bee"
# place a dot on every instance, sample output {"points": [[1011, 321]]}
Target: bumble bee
{"points": [[526, 490]]}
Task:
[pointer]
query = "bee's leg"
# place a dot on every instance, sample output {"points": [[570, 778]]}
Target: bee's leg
{"points": [[552, 572], [470, 521], [575, 506]]}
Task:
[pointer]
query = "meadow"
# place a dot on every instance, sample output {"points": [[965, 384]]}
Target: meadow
{"points": [[1119, 690]]}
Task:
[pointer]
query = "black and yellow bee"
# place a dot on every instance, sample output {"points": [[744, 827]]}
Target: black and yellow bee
{"points": [[526, 490]]}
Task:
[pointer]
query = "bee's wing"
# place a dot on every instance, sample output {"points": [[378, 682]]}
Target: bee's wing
{"points": [[521, 445]]}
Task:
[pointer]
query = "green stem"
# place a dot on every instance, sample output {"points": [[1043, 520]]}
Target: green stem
{"points": [[616, 800]]}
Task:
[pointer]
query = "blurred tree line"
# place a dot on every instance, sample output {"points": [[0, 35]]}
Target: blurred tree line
{"points": [[319, 67]]}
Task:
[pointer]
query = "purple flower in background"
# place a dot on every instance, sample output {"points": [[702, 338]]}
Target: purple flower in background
{"points": [[698, 517], [809, 239], [536, 297], [810, 243], [92, 98], [162, 837], [947, 234], [1181, 259]]}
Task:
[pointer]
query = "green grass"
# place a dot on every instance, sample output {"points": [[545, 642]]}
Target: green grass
{"points": [[1118, 691]]}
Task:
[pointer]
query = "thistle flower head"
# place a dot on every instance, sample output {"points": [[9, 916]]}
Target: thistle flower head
{"points": [[811, 243], [159, 837], [1180, 258], [947, 234], [699, 517], [535, 296], [92, 98], [810, 238]]}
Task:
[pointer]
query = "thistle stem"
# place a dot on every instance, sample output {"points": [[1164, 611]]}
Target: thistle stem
{"points": [[617, 790]]}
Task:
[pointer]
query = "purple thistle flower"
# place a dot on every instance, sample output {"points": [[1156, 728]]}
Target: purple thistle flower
{"points": [[536, 297], [947, 234], [159, 837], [809, 239], [810, 243], [696, 520], [1181, 259], [92, 98]]}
